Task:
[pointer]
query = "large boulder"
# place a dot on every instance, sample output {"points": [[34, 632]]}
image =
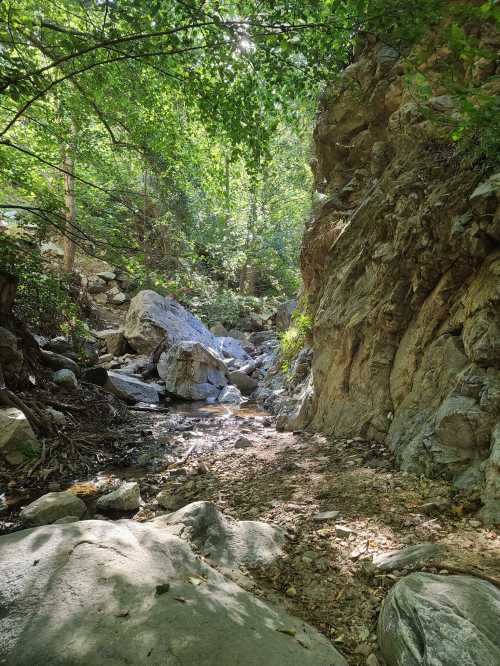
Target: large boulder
{"points": [[123, 592], [51, 507], [17, 439], [191, 370], [152, 318], [223, 539], [428, 619]]}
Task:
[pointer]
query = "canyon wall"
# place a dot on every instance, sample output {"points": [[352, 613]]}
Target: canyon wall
{"points": [[401, 269]]}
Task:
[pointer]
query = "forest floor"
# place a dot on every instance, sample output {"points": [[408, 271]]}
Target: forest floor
{"points": [[327, 577]]}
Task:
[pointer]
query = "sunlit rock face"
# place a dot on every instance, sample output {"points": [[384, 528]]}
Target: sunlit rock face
{"points": [[401, 266]]}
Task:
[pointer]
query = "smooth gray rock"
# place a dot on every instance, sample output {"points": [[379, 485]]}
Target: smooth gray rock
{"points": [[152, 319], [107, 276], [115, 593], [17, 439], [406, 557], [52, 506], [245, 383], [429, 620], [66, 378], [191, 370], [223, 539], [126, 497], [230, 395], [131, 389]]}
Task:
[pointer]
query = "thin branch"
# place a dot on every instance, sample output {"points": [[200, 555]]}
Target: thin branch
{"points": [[44, 91]]}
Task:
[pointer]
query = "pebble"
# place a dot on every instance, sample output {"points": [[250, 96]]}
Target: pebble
{"points": [[242, 443], [326, 515], [343, 532]]}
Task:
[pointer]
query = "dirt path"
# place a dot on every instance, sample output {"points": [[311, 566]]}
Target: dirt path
{"points": [[193, 452]]}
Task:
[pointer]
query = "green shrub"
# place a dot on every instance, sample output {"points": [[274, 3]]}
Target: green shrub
{"points": [[43, 300], [294, 339]]}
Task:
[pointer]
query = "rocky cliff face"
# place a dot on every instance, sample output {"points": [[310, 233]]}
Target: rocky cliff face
{"points": [[401, 265]]}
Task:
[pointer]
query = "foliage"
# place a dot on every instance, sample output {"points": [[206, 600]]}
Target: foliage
{"points": [[294, 339], [189, 124], [44, 300]]}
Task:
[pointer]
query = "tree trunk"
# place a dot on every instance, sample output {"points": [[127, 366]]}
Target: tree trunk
{"points": [[68, 164], [8, 287], [248, 271]]}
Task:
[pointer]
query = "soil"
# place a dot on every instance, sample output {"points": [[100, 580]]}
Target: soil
{"points": [[327, 577]]}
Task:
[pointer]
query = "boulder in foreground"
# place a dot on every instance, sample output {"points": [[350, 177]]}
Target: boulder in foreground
{"points": [[440, 620], [123, 592]]}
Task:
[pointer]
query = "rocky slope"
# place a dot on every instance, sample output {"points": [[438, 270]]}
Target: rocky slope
{"points": [[401, 266]]}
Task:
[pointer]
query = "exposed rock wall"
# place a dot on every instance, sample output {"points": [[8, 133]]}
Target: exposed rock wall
{"points": [[401, 265]]}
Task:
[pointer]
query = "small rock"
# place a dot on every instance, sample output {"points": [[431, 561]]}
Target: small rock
{"points": [[106, 275], [475, 523], [372, 660], [57, 417], [343, 532], [243, 443], [66, 378], [105, 358], [52, 506], [119, 298], [125, 498], [326, 515], [291, 591], [168, 501]]}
